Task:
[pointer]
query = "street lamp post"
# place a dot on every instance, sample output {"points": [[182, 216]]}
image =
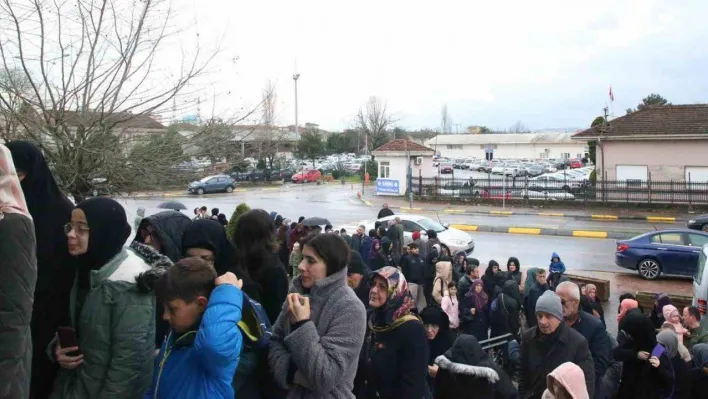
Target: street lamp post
{"points": [[296, 76]]}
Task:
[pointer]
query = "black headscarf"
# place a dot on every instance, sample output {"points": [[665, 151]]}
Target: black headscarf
{"points": [[639, 331], [49, 207], [108, 231], [211, 235], [443, 341], [169, 226]]}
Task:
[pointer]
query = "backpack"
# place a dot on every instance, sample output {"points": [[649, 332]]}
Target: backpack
{"points": [[254, 323]]}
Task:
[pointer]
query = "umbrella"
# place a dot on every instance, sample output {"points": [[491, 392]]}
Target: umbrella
{"points": [[174, 205], [311, 222]]}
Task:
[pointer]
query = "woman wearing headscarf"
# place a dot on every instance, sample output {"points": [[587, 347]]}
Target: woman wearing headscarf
{"points": [[319, 333], [112, 309], [535, 286], [595, 305], [459, 262], [443, 277], [643, 376], [678, 367], [504, 312], [50, 210], [566, 381], [18, 275], [440, 338], [489, 279], [375, 258], [657, 313], [698, 375], [474, 312], [626, 306], [513, 270], [393, 362], [466, 371]]}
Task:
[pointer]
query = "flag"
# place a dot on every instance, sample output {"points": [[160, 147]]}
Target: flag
{"points": [[612, 96]]}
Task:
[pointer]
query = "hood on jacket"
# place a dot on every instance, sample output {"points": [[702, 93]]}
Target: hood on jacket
{"points": [[438, 248], [210, 234], [516, 262], [385, 244], [158, 263], [530, 279], [170, 227], [555, 255], [511, 289], [466, 357], [669, 310], [490, 268], [570, 377], [443, 269], [699, 353], [459, 257]]}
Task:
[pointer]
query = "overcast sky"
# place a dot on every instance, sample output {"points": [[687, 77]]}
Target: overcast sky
{"points": [[548, 64]]}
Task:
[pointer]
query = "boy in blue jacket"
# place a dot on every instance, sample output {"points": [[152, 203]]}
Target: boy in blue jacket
{"points": [[200, 354], [556, 269]]}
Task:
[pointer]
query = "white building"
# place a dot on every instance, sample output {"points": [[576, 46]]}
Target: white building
{"points": [[393, 158], [509, 146]]}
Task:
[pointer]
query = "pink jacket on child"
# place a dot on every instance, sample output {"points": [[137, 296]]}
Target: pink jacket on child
{"points": [[449, 305]]}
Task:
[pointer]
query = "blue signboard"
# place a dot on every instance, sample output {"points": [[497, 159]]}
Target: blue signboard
{"points": [[387, 186]]}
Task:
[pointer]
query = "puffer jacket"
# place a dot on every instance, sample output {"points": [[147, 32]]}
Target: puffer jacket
{"points": [[18, 275], [116, 330], [443, 276]]}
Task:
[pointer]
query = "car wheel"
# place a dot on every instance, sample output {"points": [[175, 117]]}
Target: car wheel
{"points": [[649, 269], [566, 189], [200, 191], [229, 189], [705, 227]]}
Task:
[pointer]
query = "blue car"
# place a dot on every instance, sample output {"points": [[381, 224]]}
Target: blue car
{"points": [[212, 184], [672, 252]]}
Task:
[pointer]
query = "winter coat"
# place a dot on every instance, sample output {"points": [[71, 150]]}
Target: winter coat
{"points": [[431, 260], [463, 286], [570, 377], [489, 280], [321, 354], [356, 243], [530, 303], [539, 358], [202, 362], [365, 248], [384, 212], [18, 275], [116, 331], [515, 276], [443, 276], [414, 268], [591, 328], [465, 372], [556, 267], [295, 259], [477, 324], [169, 226], [504, 312], [451, 307], [698, 336], [273, 288]]}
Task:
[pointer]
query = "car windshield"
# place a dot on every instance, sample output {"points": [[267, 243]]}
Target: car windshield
{"points": [[429, 224], [206, 179]]}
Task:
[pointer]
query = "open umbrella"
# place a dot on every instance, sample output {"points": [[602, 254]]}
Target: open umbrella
{"points": [[312, 222], [174, 205]]}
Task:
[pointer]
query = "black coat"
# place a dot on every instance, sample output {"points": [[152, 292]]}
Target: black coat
{"points": [[504, 315], [463, 286], [393, 364], [530, 300], [698, 383], [273, 285], [594, 332], [466, 372], [362, 292], [414, 268], [477, 324], [538, 359], [384, 212]]}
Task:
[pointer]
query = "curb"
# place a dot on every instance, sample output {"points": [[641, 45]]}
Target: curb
{"points": [[546, 232]]}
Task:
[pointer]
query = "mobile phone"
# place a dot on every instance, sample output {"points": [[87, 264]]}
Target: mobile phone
{"points": [[67, 339], [658, 351]]}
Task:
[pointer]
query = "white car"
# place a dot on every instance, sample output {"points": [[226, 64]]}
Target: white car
{"points": [[548, 196], [513, 171], [453, 239], [554, 182]]}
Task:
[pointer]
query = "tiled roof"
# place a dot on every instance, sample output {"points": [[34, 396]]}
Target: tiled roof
{"points": [[665, 121], [402, 145], [502, 138], [120, 119]]}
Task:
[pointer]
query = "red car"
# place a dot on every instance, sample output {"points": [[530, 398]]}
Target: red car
{"points": [[307, 176], [445, 168], [576, 163]]}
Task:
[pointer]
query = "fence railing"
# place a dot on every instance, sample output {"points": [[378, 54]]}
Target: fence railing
{"points": [[561, 189]]}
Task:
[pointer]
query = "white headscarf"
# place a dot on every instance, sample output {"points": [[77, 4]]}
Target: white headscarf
{"points": [[12, 199]]}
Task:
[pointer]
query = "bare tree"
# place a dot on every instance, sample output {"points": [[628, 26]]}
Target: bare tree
{"points": [[271, 136], [374, 121], [93, 81], [445, 121], [15, 88], [519, 127]]}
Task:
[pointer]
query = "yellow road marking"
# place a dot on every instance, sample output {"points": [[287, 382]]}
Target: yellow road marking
{"points": [[501, 212], [454, 211], [240, 190], [407, 209], [524, 230], [665, 219], [271, 188], [464, 227], [550, 214], [605, 217], [589, 234]]}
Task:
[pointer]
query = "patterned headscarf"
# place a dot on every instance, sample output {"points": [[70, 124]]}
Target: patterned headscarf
{"points": [[12, 199], [398, 303], [480, 299]]}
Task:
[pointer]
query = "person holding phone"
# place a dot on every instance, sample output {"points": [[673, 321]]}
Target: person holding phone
{"points": [[108, 349]]}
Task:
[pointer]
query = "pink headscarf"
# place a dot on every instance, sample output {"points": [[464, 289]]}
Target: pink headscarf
{"points": [[670, 310], [625, 306], [12, 199], [571, 378]]}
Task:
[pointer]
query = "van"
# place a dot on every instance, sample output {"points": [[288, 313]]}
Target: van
{"points": [[700, 285]]}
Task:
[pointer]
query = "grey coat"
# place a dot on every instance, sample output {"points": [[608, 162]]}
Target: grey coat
{"points": [[324, 350], [18, 275]]}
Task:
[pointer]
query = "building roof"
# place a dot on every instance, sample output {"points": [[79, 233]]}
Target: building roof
{"points": [[675, 121], [125, 120], [502, 138], [403, 145]]}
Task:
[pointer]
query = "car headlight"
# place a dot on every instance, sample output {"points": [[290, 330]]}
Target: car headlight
{"points": [[692, 221]]}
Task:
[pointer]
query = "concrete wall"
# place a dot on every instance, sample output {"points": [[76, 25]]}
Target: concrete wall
{"points": [[516, 151], [665, 160], [398, 167]]}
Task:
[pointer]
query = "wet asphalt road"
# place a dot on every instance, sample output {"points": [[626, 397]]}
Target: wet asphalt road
{"points": [[341, 207]]}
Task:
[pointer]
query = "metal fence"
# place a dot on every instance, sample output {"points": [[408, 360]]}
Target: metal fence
{"points": [[560, 189]]}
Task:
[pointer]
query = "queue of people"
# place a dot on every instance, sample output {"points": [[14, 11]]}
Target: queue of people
{"points": [[282, 310]]}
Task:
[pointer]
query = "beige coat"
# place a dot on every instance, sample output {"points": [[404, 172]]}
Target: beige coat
{"points": [[443, 276]]}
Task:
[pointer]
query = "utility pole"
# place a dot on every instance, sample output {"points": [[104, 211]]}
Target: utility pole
{"points": [[296, 76]]}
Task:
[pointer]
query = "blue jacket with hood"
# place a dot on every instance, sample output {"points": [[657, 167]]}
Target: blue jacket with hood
{"points": [[201, 363], [556, 267]]}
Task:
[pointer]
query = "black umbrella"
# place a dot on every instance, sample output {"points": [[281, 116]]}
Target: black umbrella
{"points": [[174, 205], [312, 222]]}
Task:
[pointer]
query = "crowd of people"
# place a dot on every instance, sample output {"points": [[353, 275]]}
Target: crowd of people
{"points": [[279, 309]]}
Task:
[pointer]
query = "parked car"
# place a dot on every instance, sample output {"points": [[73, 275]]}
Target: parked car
{"points": [[513, 171], [497, 168], [471, 164], [674, 252], [251, 175], [545, 195], [556, 182], [450, 238], [698, 223], [212, 184], [446, 168], [534, 170], [700, 286], [277, 174], [575, 163], [307, 176], [459, 188]]}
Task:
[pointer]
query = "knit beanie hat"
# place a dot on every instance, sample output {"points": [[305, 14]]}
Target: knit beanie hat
{"points": [[550, 303], [356, 265], [416, 235]]}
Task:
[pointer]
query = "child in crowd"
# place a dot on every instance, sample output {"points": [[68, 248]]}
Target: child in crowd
{"points": [[295, 259], [555, 269], [450, 306], [200, 355], [672, 316]]}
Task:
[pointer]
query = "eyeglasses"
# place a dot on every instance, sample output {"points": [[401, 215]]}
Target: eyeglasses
{"points": [[80, 229], [145, 233]]}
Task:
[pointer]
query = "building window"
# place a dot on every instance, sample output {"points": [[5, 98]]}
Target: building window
{"points": [[565, 155], [543, 155], [454, 146], [384, 169]]}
